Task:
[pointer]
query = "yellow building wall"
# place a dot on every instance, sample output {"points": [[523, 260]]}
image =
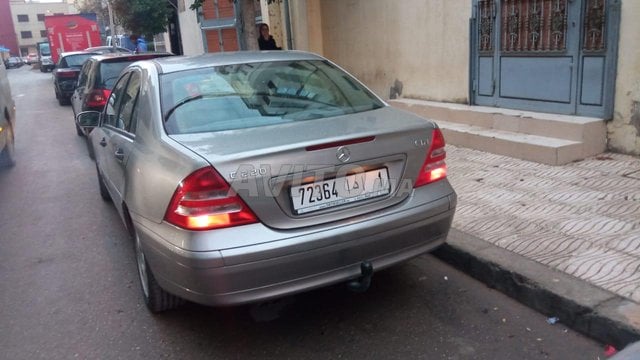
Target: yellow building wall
{"points": [[425, 45], [624, 130], [422, 43]]}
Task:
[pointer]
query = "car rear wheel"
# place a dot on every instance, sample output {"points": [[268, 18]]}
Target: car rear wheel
{"points": [[79, 131], [156, 299], [63, 101], [7, 158]]}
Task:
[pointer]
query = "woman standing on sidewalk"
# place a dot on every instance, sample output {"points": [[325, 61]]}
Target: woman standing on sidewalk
{"points": [[266, 41]]}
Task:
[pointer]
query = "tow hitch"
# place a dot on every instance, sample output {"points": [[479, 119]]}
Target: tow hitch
{"points": [[361, 284]]}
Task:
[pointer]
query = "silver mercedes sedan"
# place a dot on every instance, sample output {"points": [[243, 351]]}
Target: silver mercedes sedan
{"points": [[244, 177]]}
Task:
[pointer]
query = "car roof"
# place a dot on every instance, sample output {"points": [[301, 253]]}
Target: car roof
{"points": [[96, 48], [115, 57], [180, 63], [75, 53]]}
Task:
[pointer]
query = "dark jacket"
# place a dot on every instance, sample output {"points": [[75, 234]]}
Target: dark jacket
{"points": [[268, 44]]}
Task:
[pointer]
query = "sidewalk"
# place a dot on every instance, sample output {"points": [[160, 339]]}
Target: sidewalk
{"points": [[562, 239]]}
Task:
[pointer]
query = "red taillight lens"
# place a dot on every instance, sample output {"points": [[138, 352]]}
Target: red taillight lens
{"points": [[204, 201], [98, 98], [434, 167], [66, 74]]}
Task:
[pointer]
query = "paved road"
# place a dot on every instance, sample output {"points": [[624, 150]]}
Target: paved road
{"points": [[68, 287]]}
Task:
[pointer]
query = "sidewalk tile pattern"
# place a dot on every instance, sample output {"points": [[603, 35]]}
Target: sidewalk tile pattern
{"points": [[582, 218]]}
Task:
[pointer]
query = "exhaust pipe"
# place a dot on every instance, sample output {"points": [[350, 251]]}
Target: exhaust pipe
{"points": [[362, 283]]}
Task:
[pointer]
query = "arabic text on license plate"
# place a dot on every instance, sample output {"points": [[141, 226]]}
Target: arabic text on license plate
{"points": [[339, 191]]}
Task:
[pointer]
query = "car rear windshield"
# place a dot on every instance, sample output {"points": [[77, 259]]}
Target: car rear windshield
{"points": [[45, 50], [110, 71], [74, 60], [258, 94]]}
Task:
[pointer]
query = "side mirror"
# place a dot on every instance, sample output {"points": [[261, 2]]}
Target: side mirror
{"points": [[87, 120]]}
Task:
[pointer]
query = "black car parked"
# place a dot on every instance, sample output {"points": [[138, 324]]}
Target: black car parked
{"points": [[13, 62], [65, 75]]}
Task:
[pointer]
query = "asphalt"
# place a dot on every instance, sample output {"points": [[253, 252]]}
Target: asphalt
{"points": [[564, 240]]}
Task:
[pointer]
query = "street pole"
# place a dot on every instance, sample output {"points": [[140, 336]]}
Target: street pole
{"points": [[111, 27]]}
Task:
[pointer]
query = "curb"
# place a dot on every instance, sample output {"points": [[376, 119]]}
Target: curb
{"points": [[597, 313]]}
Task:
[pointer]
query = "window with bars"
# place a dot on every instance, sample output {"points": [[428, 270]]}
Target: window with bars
{"points": [[533, 25], [486, 13], [594, 25], [23, 18], [26, 34], [40, 17]]}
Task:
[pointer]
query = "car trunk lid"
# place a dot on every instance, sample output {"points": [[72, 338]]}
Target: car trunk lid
{"points": [[380, 150], [67, 78]]}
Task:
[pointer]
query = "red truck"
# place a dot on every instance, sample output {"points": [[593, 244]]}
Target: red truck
{"points": [[71, 33]]}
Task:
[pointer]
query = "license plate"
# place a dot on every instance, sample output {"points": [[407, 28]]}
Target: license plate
{"points": [[339, 191]]}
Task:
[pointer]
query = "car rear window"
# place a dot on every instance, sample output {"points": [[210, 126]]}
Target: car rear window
{"points": [[259, 94], [45, 50], [74, 60], [110, 71]]}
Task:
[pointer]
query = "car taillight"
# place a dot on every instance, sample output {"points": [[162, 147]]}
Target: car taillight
{"points": [[434, 167], [205, 201], [98, 97], [66, 74]]}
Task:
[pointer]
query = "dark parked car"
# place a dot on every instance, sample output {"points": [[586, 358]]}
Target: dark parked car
{"points": [[14, 62], [243, 177], [65, 75], [7, 120], [97, 78]]}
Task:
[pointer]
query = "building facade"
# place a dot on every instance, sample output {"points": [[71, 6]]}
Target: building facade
{"points": [[573, 58], [28, 21], [8, 37], [576, 57], [214, 27]]}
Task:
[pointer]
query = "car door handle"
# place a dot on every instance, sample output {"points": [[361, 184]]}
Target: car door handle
{"points": [[103, 142], [119, 155]]}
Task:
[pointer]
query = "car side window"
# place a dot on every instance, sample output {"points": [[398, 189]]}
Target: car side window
{"points": [[128, 100], [113, 103], [82, 79], [62, 63], [90, 74]]}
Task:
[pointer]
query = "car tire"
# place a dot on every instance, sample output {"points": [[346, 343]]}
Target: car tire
{"points": [[104, 193], [61, 101], [155, 297], [79, 131], [7, 156]]}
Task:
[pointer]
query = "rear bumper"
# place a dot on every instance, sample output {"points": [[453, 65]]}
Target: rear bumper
{"points": [[300, 260], [65, 88]]}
